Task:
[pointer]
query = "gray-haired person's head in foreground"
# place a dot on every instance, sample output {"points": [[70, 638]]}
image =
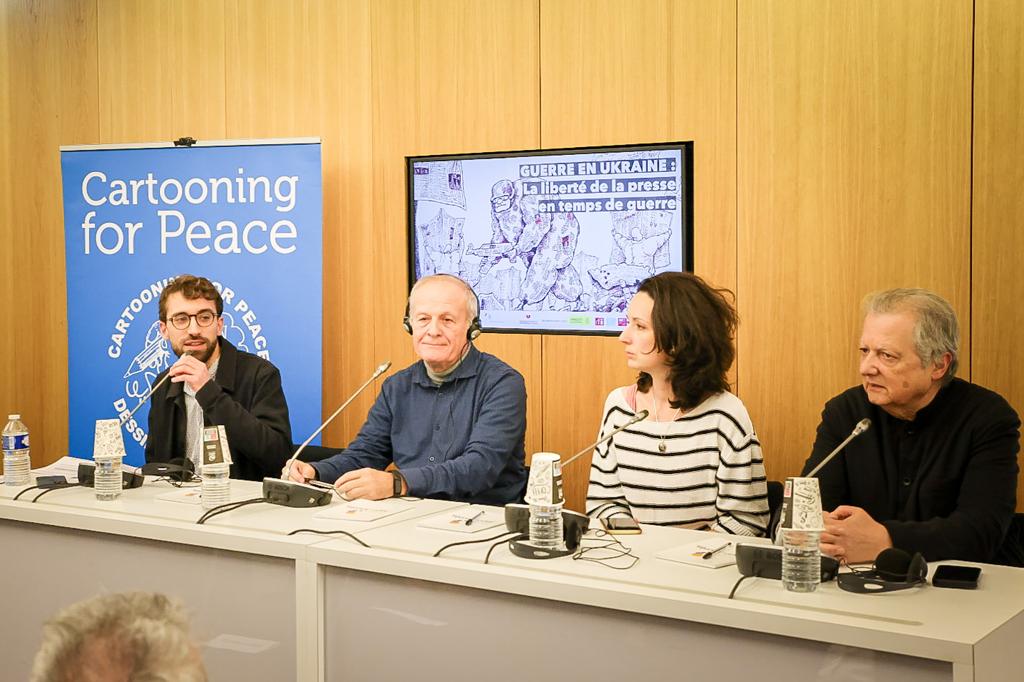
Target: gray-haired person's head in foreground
{"points": [[129, 637]]}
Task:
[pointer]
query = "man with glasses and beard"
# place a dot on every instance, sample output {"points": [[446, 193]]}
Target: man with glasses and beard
{"points": [[215, 384]]}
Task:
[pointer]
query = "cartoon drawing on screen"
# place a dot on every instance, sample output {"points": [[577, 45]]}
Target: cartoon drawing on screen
{"points": [[439, 244], [641, 238], [444, 187], [527, 265], [522, 251]]}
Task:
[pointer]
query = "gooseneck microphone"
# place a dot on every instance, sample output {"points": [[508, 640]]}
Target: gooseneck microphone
{"points": [[149, 394], [312, 494], [638, 417], [383, 367], [862, 426]]}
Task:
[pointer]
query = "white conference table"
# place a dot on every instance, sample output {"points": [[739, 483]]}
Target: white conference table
{"points": [[249, 585], [307, 607], [563, 619]]}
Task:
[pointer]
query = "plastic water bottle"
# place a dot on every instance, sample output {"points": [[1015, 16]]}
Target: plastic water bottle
{"points": [[546, 526], [108, 482], [216, 486], [17, 463], [801, 560]]}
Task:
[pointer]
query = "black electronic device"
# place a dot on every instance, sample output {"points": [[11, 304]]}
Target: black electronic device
{"points": [[178, 469], [621, 525], [129, 479], [517, 520], [292, 494], [893, 569], [51, 481], [957, 577], [765, 561]]}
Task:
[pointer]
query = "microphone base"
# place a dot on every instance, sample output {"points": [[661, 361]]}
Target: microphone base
{"points": [[765, 561], [524, 550], [291, 494]]}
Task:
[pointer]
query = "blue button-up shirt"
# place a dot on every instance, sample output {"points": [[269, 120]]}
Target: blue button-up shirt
{"points": [[462, 440]]}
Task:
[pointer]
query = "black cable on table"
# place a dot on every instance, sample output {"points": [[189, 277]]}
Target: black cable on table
{"points": [[472, 542], [230, 506], [330, 532]]}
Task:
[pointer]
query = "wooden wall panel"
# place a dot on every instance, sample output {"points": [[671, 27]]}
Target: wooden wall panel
{"points": [[832, 153], [161, 70], [48, 97], [303, 69], [998, 210], [448, 77], [854, 141], [616, 72]]}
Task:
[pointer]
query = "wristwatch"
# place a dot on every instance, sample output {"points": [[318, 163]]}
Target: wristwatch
{"points": [[397, 492]]}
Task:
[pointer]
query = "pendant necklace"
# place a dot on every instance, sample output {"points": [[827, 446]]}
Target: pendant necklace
{"points": [[661, 444]]}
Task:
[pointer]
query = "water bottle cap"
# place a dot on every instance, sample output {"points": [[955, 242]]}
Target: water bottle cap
{"points": [[14, 417]]}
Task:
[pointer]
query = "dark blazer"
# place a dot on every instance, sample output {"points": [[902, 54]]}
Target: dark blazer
{"points": [[246, 398], [944, 484]]}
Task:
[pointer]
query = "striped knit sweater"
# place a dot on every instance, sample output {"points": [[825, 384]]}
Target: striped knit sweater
{"points": [[711, 475]]}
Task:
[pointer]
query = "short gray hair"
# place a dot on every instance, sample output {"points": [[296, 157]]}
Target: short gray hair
{"points": [[472, 304], [144, 633], [936, 330]]}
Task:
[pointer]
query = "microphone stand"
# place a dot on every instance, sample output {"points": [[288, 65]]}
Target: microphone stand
{"points": [[638, 417], [312, 493], [149, 394]]}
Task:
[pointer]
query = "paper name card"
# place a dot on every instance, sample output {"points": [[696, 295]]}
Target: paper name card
{"points": [[471, 519], [363, 510], [215, 446], [719, 552]]}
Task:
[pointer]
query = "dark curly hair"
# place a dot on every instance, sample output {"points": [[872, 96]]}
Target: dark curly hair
{"points": [[694, 324], [191, 288]]}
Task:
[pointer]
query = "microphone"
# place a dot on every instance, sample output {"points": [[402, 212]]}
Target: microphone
{"points": [[638, 417], [293, 494], [862, 426], [383, 367], [149, 394], [574, 525]]}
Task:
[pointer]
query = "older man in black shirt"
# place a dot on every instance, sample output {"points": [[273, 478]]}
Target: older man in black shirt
{"points": [[937, 472]]}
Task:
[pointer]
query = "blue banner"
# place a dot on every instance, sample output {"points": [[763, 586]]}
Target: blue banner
{"points": [[247, 216]]}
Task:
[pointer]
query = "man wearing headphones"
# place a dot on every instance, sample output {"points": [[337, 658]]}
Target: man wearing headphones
{"points": [[452, 423]]}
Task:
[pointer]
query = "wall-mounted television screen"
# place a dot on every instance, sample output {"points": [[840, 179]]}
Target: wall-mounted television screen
{"points": [[554, 240]]}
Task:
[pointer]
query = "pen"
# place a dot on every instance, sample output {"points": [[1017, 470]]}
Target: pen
{"points": [[713, 552], [471, 519]]}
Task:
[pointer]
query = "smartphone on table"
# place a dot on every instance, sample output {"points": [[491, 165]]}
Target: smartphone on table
{"points": [[958, 577], [621, 525]]}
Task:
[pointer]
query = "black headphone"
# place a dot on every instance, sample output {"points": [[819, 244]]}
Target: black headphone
{"points": [[517, 520], [893, 570], [475, 328]]}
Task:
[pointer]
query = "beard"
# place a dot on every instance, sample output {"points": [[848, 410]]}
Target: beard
{"points": [[201, 354]]}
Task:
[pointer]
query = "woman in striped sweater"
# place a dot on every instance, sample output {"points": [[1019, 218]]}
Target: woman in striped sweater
{"points": [[695, 461]]}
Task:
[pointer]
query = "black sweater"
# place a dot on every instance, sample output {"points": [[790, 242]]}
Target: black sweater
{"points": [[944, 484]]}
